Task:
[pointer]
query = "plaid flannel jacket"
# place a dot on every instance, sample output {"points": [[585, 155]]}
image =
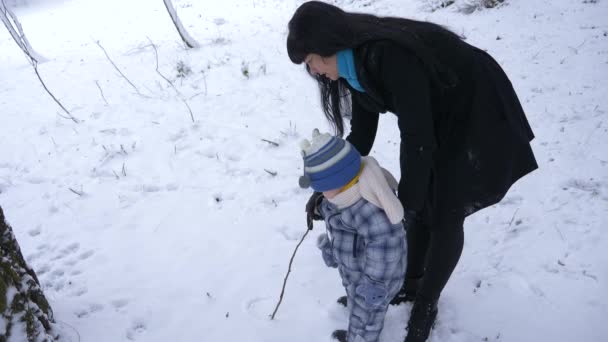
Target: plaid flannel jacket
{"points": [[370, 254]]}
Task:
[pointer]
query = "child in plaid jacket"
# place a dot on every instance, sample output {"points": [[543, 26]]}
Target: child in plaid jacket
{"points": [[365, 238]]}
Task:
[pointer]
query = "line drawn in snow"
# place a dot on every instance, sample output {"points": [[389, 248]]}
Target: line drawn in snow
{"points": [[258, 307]]}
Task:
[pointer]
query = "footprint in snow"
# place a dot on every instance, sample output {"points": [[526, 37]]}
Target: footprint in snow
{"points": [[67, 251], [445, 328], [515, 231], [394, 322], [136, 330], [58, 274], [91, 309], [36, 231], [259, 307], [289, 234], [119, 304], [79, 292]]}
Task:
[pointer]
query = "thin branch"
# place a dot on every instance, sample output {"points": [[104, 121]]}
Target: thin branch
{"points": [[158, 71], [272, 173], [513, 218], [204, 81], [198, 94], [179, 95], [35, 65], [271, 142], [560, 233], [309, 228], [117, 69], [19, 37], [588, 275], [101, 91], [189, 109], [79, 193], [21, 40]]}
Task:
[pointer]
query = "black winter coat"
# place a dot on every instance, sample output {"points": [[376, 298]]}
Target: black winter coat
{"points": [[462, 147]]}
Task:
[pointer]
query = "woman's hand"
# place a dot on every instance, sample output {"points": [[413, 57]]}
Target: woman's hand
{"points": [[410, 218]]}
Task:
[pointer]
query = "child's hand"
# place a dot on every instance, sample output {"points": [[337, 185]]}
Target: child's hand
{"points": [[312, 206]]}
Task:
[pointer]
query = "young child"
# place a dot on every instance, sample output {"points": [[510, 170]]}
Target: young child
{"points": [[365, 238]]}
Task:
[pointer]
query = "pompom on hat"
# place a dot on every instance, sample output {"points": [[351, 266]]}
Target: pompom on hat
{"points": [[329, 162]]}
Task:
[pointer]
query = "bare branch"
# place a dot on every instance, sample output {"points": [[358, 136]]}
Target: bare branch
{"points": [[35, 66], [588, 275], [309, 228], [169, 81], [158, 71], [20, 38], [271, 142], [101, 91], [272, 173], [31, 55], [117, 69], [79, 193], [189, 109], [513, 218], [197, 94]]}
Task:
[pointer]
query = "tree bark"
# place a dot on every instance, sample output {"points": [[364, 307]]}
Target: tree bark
{"points": [[25, 314], [188, 40], [9, 19]]}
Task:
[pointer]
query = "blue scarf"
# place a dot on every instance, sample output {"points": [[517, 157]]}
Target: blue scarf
{"points": [[346, 69]]}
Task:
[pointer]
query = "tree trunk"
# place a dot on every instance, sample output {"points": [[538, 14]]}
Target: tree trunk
{"points": [[25, 314], [188, 40], [9, 19]]}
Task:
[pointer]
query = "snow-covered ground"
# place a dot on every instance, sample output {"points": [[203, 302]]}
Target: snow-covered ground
{"points": [[145, 226]]}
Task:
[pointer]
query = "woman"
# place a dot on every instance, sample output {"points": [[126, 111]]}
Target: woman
{"points": [[464, 136]]}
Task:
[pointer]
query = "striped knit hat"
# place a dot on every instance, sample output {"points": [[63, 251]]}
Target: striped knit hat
{"points": [[329, 162]]}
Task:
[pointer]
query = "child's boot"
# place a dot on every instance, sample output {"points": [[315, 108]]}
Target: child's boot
{"points": [[339, 335], [343, 301]]}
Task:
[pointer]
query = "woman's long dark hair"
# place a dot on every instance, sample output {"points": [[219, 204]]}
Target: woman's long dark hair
{"points": [[324, 29]]}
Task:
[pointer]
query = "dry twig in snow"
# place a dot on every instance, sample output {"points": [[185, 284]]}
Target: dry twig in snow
{"points": [[308, 229], [117, 69], [101, 91], [169, 81]]}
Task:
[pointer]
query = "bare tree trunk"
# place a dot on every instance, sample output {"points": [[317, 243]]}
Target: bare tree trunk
{"points": [[13, 25], [188, 40], [9, 19], [25, 314]]}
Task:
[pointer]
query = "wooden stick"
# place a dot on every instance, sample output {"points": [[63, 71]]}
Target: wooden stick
{"points": [[309, 228]]}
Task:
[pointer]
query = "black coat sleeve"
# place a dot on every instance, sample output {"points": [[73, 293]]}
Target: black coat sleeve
{"points": [[363, 127], [407, 82]]}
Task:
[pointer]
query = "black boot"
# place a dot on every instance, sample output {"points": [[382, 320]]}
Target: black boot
{"points": [[342, 301], [408, 291], [339, 335], [421, 320]]}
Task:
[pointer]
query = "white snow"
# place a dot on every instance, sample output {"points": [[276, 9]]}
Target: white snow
{"points": [[145, 226]]}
